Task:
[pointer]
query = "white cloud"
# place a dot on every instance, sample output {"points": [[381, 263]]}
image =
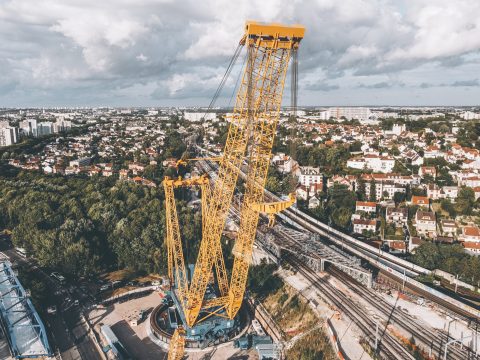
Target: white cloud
{"points": [[82, 47]]}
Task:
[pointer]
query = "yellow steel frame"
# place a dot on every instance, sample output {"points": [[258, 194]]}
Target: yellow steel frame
{"points": [[253, 125], [177, 344]]}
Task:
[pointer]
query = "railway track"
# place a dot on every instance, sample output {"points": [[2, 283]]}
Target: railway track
{"points": [[388, 346], [433, 341]]}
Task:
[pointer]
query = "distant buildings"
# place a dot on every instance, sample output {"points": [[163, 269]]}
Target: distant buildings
{"points": [[8, 134], [199, 116], [349, 113], [470, 115]]}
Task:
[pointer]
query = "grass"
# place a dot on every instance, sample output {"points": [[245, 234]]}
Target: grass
{"points": [[126, 275], [312, 346], [294, 316]]}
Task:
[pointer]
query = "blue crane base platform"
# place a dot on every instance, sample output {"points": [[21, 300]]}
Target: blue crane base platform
{"points": [[215, 330]]}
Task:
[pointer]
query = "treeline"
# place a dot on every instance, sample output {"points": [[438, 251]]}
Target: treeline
{"points": [[82, 226], [449, 258]]}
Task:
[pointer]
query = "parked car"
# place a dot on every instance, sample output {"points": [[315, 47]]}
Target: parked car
{"points": [[52, 310], [60, 278]]}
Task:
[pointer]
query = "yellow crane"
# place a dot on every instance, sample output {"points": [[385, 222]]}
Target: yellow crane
{"points": [[252, 127]]}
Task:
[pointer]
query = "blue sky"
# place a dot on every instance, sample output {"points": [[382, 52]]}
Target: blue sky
{"points": [[167, 52]]}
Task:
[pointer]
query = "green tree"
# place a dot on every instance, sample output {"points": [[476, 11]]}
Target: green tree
{"points": [[465, 201], [398, 197], [373, 192]]}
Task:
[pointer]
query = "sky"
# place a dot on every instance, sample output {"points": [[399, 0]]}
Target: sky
{"points": [[174, 52]]}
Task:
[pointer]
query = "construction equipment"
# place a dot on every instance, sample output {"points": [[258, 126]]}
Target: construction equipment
{"points": [[273, 208], [253, 127], [177, 344]]}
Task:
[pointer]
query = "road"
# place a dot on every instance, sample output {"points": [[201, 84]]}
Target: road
{"points": [[68, 332]]}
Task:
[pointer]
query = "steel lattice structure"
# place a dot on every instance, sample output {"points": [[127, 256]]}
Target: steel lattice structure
{"points": [[252, 127]]}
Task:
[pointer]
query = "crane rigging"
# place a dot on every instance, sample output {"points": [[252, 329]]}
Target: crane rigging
{"points": [[250, 138]]}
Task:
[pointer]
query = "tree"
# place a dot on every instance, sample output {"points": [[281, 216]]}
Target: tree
{"points": [[398, 197], [361, 189], [373, 191], [341, 217], [465, 201], [447, 205]]}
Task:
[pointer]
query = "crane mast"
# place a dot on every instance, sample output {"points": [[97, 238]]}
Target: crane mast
{"points": [[250, 137]]}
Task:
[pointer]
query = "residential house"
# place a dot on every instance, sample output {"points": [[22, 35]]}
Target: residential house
{"points": [[470, 234], [397, 246], [170, 162], [315, 189], [476, 190], [426, 224], [413, 243], [313, 202], [472, 247], [347, 180], [396, 215], [432, 151], [366, 206], [361, 225], [449, 227], [136, 168], [420, 200], [302, 192], [427, 170], [94, 171]]}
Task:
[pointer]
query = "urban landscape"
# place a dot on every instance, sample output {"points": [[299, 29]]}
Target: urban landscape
{"points": [[251, 213]]}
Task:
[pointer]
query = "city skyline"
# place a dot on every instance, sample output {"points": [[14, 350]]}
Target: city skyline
{"points": [[174, 53]]}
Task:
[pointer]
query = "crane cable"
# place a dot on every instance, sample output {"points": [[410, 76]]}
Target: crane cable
{"points": [[230, 66], [293, 107]]}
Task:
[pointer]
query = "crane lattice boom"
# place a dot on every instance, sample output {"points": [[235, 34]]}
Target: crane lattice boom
{"points": [[250, 137]]}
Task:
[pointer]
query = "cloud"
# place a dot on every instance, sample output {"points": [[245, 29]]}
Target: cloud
{"points": [[380, 85], [321, 86], [463, 83], [151, 52]]}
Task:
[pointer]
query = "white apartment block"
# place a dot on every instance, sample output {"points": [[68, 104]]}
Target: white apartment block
{"points": [[44, 128], [349, 113], [470, 115], [308, 175], [199, 116], [397, 129], [388, 187], [8, 136], [377, 163], [28, 127]]}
